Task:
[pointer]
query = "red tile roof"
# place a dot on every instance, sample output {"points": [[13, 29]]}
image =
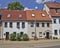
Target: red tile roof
{"points": [[14, 15], [38, 15], [27, 15], [52, 13], [53, 5]]}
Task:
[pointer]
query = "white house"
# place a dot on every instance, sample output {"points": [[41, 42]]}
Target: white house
{"points": [[31, 22], [13, 22], [53, 10]]}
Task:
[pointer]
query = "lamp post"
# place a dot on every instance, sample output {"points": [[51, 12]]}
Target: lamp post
{"points": [[35, 37]]}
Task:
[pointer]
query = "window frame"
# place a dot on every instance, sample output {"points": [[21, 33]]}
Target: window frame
{"points": [[48, 25], [54, 20], [37, 24], [23, 24], [43, 24], [55, 32], [5, 25], [10, 24]]}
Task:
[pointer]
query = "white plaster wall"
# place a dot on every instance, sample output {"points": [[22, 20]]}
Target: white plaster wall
{"points": [[55, 27], [14, 28], [46, 8], [39, 29]]}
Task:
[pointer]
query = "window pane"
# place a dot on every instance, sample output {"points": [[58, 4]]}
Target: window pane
{"points": [[18, 24], [33, 34], [59, 20], [5, 24], [23, 24], [37, 24], [21, 33], [40, 34], [42, 24], [59, 32], [55, 32], [56, 10], [32, 24], [47, 24], [11, 24], [54, 20]]}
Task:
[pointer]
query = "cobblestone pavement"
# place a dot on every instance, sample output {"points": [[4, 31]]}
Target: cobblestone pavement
{"points": [[29, 44]]}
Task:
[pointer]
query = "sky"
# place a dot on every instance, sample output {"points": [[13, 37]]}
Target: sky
{"points": [[28, 4]]}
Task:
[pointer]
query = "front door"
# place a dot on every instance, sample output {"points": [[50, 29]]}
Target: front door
{"points": [[47, 35], [7, 35]]}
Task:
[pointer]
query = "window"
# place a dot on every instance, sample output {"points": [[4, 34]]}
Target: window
{"points": [[8, 15], [0, 16], [14, 33], [21, 33], [32, 24], [56, 10], [33, 34], [43, 14], [10, 24], [20, 16], [47, 24], [33, 14], [59, 32], [37, 24], [5, 24], [54, 20], [42, 24], [55, 32], [23, 24], [40, 34], [59, 20], [18, 24]]}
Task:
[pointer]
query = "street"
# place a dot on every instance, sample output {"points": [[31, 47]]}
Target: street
{"points": [[30, 44]]}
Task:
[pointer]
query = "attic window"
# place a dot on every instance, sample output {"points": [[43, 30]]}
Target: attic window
{"points": [[43, 14], [8, 15], [20, 16], [33, 14]]}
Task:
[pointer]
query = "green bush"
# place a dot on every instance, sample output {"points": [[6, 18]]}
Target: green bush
{"points": [[55, 38], [25, 37], [18, 38], [12, 37]]}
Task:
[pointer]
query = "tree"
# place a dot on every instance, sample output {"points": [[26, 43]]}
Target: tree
{"points": [[15, 6]]}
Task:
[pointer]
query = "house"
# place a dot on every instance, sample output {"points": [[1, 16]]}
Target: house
{"points": [[53, 10], [13, 22], [31, 22], [39, 23]]}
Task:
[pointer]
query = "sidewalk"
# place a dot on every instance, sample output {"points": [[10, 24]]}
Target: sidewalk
{"points": [[29, 44], [32, 41]]}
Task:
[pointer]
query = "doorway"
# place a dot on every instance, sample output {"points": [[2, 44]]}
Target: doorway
{"points": [[7, 35], [47, 35]]}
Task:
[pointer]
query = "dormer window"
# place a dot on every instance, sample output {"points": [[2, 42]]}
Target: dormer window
{"points": [[43, 14], [8, 15], [56, 10], [33, 15], [20, 16]]}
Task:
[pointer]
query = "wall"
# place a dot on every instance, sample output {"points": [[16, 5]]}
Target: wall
{"points": [[39, 29], [14, 29]]}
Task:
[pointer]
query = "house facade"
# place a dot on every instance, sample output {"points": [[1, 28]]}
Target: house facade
{"points": [[40, 23], [30, 22], [53, 10]]}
